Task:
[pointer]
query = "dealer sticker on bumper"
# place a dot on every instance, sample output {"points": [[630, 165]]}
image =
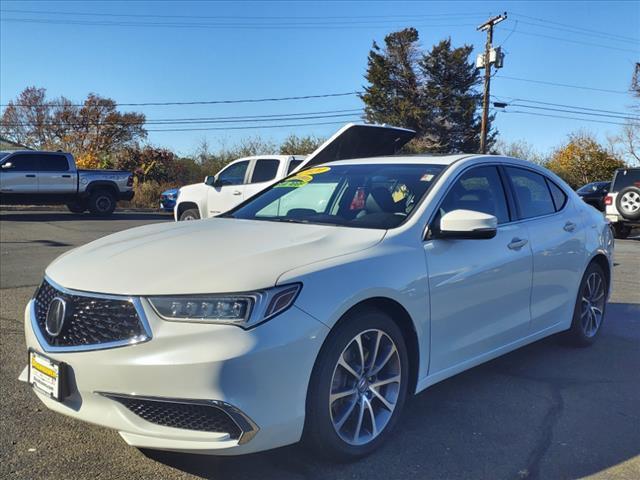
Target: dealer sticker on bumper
{"points": [[44, 374]]}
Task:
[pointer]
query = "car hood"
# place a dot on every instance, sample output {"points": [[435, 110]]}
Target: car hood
{"points": [[203, 256]]}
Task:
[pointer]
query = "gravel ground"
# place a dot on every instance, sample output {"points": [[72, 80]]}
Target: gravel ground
{"points": [[545, 411]]}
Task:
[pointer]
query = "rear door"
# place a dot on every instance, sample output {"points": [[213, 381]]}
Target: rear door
{"points": [[556, 237], [21, 177], [359, 141], [263, 172], [479, 289], [55, 175]]}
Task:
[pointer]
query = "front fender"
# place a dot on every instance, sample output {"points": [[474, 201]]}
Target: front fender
{"points": [[334, 286]]}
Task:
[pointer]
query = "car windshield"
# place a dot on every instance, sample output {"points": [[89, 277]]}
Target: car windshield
{"points": [[362, 196]]}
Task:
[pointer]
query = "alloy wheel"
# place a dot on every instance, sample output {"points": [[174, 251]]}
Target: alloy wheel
{"points": [[103, 203], [593, 299], [365, 387]]}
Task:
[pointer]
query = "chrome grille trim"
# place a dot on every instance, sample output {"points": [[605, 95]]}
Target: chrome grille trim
{"points": [[47, 347]]}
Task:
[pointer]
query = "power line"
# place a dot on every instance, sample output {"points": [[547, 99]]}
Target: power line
{"points": [[518, 99], [243, 17], [270, 118], [555, 84], [251, 127], [588, 30], [204, 102], [593, 114], [241, 26], [603, 36], [536, 114], [579, 42]]}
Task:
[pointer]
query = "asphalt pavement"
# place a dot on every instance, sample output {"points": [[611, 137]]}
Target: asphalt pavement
{"points": [[546, 411]]}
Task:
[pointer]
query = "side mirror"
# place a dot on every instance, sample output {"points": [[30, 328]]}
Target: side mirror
{"points": [[210, 180], [467, 224], [7, 165]]}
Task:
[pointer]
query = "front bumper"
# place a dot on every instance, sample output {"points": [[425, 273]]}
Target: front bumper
{"points": [[262, 373]]}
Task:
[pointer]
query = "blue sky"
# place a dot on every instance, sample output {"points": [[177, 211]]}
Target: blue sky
{"points": [[253, 56]]}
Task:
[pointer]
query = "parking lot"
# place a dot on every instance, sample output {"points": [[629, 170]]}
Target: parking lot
{"points": [[545, 411]]}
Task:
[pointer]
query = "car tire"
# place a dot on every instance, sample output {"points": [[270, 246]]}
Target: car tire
{"points": [[77, 207], [589, 310], [331, 425], [628, 203], [621, 231], [190, 214], [102, 202]]}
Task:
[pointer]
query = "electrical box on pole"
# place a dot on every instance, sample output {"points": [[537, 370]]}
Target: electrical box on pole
{"points": [[496, 58]]}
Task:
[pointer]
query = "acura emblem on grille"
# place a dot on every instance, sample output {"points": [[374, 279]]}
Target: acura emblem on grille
{"points": [[56, 314]]}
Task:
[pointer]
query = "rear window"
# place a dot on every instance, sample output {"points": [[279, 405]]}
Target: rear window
{"points": [[53, 163], [626, 177], [532, 193]]}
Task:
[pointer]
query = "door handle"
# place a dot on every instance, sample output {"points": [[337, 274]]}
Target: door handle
{"points": [[30, 175], [66, 176], [569, 226], [237, 192], [517, 243]]}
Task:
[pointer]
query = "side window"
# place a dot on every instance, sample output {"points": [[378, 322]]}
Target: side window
{"points": [[234, 174], [293, 164], [25, 162], [559, 197], [531, 192], [479, 189], [264, 170], [53, 163]]}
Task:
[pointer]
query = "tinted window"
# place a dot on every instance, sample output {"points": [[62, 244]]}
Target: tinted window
{"points": [[25, 162], [53, 163], [234, 174], [293, 165], [265, 170], [480, 190], [559, 197], [531, 192], [362, 196], [625, 178]]}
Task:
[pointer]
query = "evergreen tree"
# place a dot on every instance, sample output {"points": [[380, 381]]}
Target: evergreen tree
{"points": [[393, 93], [451, 100]]}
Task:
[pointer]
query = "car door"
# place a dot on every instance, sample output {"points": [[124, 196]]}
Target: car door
{"points": [[556, 236], [263, 172], [228, 191], [19, 174], [54, 175], [479, 288]]}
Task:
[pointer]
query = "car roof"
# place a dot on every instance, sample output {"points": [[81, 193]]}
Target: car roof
{"points": [[270, 157]]}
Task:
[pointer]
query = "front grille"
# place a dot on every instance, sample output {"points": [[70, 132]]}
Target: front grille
{"points": [[188, 416], [89, 320]]}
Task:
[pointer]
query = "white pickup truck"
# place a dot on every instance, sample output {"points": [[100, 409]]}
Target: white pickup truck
{"points": [[243, 178], [32, 177]]}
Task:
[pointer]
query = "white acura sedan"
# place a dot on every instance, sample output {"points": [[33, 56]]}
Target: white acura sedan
{"points": [[313, 309]]}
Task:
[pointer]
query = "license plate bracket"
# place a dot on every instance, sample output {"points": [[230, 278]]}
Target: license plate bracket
{"points": [[48, 376]]}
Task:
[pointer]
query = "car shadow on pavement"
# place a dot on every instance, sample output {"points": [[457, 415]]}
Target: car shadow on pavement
{"points": [[13, 216], [545, 411]]}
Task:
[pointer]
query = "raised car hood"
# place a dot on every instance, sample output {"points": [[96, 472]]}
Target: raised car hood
{"points": [[204, 256]]}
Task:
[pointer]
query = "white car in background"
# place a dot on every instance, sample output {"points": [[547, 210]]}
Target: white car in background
{"points": [[243, 178], [314, 308]]}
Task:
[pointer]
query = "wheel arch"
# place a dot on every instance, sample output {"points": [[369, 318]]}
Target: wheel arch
{"points": [[400, 317], [102, 185], [182, 206], [602, 260]]}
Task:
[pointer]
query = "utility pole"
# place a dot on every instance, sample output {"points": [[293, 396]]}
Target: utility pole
{"points": [[488, 26]]}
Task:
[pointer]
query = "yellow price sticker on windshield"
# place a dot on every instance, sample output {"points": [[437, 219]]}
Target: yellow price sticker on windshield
{"points": [[315, 171]]}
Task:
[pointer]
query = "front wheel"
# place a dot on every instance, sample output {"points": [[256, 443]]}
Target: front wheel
{"points": [[190, 214], [590, 305], [77, 207], [358, 386]]}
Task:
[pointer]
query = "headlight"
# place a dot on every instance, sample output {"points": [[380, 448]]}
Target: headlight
{"points": [[245, 309]]}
